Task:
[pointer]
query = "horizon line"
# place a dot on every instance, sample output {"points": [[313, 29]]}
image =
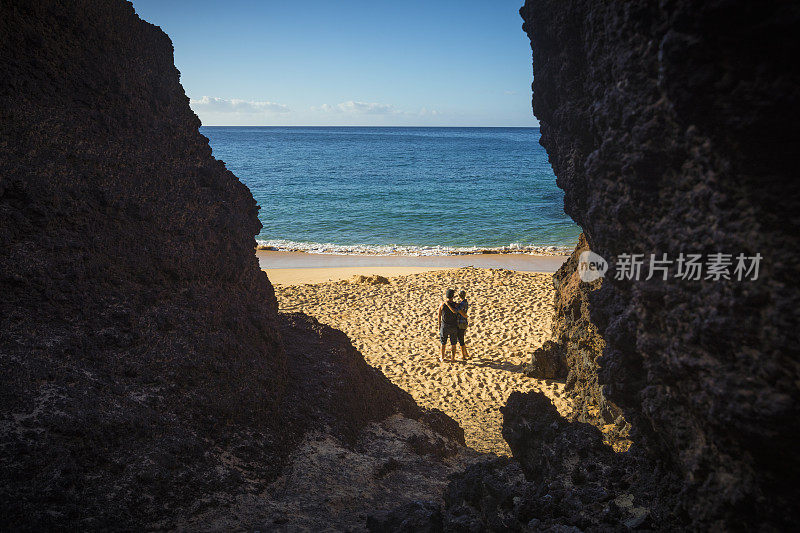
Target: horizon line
{"points": [[348, 126]]}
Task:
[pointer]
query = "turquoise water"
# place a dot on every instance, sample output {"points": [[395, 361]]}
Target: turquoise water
{"points": [[407, 190]]}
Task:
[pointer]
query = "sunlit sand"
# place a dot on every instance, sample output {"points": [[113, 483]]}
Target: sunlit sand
{"points": [[394, 325]]}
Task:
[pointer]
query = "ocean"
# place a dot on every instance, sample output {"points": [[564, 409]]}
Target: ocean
{"points": [[414, 191]]}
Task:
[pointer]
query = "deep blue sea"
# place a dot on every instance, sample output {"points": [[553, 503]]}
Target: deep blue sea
{"points": [[390, 190]]}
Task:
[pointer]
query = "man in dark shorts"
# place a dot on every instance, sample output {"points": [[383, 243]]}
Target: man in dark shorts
{"points": [[448, 324]]}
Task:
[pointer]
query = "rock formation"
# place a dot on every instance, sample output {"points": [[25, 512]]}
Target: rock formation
{"points": [[575, 350], [547, 362], [670, 128], [146, 373], [148, 379]]}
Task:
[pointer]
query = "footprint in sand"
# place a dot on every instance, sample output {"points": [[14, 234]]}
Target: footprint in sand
{"points": [[393, 326]]}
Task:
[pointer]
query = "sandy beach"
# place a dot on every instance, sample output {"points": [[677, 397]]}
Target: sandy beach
{"points": [[294, 268], [393, 323]]}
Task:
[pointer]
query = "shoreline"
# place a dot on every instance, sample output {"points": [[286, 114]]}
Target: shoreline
{"points": [[294, 268], [413, 250]]}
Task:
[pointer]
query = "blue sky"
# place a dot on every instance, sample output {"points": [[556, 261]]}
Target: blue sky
{"points": [[349, 62]]}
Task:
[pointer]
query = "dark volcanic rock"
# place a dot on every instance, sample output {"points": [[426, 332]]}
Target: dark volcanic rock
{"points": [[562, 478], [574, 478], [423, 517], [547, 362], [138, 335], [671, 127], [574, 331], [543, 441], [578, 339], [144, 375], [486, 497], [575, 351]]}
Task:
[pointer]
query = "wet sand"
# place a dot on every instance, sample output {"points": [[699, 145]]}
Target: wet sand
{"points": [[291, 268]]}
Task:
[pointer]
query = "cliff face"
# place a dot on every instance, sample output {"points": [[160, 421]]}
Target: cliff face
{"points": [[143, 370], [581, 347], [135, 321], [116, 219], [671, 128], [575, 332]]}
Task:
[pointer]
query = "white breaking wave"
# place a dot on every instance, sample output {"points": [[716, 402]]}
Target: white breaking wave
{"points": [[283, 245]]}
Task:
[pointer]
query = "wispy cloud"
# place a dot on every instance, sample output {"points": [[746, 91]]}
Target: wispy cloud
{"points": [[360, 108], [212, 104], [370, 108]]}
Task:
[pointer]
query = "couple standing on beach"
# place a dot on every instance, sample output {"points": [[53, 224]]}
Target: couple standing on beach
{"points": [[453, 323]]}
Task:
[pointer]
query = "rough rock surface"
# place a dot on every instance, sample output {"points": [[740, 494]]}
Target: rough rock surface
{"points": [[580, 346], [574, 331], [547, 362], [562, 478], [417, 516], [144, 375], [332, 485], [671, 128]]}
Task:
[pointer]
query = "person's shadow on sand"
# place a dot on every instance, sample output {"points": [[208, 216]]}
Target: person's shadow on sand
{"points": [[498, 365]]}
